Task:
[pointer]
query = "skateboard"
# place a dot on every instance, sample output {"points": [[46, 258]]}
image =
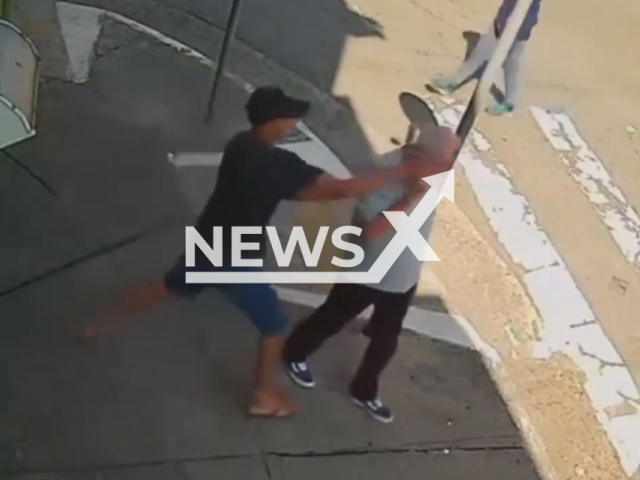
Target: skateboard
{"points": [[418, 113]]}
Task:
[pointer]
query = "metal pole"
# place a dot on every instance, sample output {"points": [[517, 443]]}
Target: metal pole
{"points": [[229, 33], [478, 100]]}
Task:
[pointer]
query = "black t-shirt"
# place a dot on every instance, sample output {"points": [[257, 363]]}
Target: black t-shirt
{"points": [[253, 178]]}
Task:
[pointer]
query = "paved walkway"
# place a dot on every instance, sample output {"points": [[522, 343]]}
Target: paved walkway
{"points": [[160, 395]]}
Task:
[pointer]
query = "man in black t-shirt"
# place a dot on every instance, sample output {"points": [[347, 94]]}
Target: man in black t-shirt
{"points": [[255, 175]]}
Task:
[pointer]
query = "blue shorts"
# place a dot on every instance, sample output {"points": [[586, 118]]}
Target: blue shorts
{"points": [[258, 301]]}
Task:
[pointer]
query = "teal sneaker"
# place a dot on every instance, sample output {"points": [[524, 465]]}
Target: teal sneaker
{"points": [[444, 85], [500, 109]]}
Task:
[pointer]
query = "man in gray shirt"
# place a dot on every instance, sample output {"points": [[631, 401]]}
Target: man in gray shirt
{"points": [[390, 297]]}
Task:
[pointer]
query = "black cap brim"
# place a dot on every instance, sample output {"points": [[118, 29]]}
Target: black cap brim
{"points": [[295, 108]]}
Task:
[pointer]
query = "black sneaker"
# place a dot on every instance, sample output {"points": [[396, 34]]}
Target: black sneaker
{"points": [[378, 410], [300, 374]]}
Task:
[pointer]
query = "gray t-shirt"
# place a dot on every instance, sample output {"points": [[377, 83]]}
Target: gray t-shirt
{"points": [[405, 272]]}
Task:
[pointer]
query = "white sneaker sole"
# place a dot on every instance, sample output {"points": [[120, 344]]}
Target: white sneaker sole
{"points": [[439, 90], [358, 403], [299, 382]]}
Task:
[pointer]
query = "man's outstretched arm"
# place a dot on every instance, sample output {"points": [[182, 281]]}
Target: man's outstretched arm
{"points": [[327, 187], [435, 160]]}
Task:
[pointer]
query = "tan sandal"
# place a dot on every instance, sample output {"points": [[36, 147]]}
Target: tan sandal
{"points": [[282, 412], [285, 408]]}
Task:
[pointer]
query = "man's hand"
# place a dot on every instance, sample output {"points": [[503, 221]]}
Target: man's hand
{"points": [[439, 147]]}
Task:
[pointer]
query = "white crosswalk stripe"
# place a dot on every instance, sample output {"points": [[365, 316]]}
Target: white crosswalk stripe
{"points": [[584, 165]]}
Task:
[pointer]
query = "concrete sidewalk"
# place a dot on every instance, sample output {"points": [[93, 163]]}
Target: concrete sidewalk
{"points": [[161, 395], [167, 387]]}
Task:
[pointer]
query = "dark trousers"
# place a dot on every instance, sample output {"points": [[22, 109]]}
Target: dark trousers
{"points": [[345, 302]]}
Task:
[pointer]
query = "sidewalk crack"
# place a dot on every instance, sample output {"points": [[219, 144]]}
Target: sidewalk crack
{"points": [[398, 450], [603, 363], [107, 249], [41, 181], [586, 323], [634, 400], [264, 456], [265, 462]]}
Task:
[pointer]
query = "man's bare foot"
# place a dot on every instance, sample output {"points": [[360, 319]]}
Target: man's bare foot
{"points": [[275, 404]]}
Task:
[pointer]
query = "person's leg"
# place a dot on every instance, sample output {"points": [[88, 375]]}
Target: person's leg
{"points": [[384, 328], [268, 397], [260, 303], [513, 68], [512, 80], [345, 302], [111, 320], [479, 57], [472, 65]]}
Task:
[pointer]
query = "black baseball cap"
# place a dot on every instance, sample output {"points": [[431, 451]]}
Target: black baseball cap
{"points": [[271, 103]]}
